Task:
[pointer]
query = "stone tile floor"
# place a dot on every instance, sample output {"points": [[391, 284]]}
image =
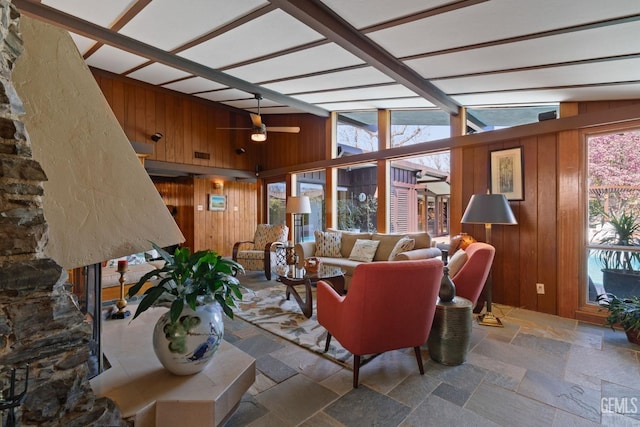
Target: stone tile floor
{"points": [[539, 370]]}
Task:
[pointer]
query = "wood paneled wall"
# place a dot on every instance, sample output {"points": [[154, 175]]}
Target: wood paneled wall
{"points": [[187, 123], [219, 230], [179, 193], [525, 254], [542, 248], [547, 244]]}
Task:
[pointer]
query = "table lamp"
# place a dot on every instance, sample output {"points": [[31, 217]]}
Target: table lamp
{"points": [[298, 206], [488, 209]]}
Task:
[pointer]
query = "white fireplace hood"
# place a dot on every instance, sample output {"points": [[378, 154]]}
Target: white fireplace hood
{"points": [[98, 201]]}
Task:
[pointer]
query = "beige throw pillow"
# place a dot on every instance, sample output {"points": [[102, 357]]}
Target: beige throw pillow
{"points": [[456, 262], [327, 244], [364, 250], [403, 245]]}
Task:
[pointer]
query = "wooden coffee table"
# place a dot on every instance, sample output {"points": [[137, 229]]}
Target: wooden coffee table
{"points": [[299, 277]]}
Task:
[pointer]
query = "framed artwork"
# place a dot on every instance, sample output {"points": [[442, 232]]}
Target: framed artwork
{"points": [[506, 176], [217, 202]]}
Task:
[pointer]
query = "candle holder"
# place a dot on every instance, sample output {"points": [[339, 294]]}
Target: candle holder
{"points": [[121, 304], [13, 400]]}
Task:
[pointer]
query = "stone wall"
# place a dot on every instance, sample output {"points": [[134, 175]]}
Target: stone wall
{"points": [[40, 323]]}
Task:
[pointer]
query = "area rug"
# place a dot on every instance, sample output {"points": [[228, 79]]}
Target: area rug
{"points": [[268, 309]]}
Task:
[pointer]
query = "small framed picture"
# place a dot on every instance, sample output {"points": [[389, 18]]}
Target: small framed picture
{"points": [[506, 177], [217, 202]]}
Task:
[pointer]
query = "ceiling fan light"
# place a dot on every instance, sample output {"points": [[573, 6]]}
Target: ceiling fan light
{"points": [[258, 136]]}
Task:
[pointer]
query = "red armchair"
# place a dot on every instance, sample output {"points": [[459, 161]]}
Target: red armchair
{"points": [[390, 305], [470, 280]]}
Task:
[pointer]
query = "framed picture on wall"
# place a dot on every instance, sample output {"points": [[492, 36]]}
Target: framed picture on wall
{"points": [[217, 202], [505, 167]]}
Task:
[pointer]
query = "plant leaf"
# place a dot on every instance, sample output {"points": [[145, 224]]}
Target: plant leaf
{"points": [[176, 309]]}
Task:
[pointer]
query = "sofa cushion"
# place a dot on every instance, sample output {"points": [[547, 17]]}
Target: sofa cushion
{"points": [[423, 240], [456, 262], [387, 243], [349, 239], [364, 250], [403, 245], [327, 244], [347, 265]]}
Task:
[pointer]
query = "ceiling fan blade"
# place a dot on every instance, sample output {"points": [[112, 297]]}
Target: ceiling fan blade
{"points": [[256, 120], [287, 129]]}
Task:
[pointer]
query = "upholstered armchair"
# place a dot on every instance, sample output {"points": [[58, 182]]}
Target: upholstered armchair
{"points": [[259, 254], [471, 277], [390, 305]]}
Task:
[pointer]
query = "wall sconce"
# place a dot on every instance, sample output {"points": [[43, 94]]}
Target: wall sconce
{"points": [[218, 185], [156, 136]]}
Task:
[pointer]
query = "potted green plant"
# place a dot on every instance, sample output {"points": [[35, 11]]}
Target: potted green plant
{"points": [[198, 288], [619, 266], [624, 312]]}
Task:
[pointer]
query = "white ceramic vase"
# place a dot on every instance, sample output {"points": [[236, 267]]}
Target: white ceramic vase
{"points": [[187, 346]]}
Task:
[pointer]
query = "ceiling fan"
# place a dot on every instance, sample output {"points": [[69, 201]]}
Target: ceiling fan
{"points": [[259, 129]]}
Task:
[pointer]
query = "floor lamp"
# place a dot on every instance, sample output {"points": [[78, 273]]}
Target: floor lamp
{"points": [[298, 206], [488, 209]]}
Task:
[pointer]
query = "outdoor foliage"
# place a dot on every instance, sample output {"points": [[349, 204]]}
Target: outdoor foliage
{"points": [[354, 214], [614, 159], [614, 176]]}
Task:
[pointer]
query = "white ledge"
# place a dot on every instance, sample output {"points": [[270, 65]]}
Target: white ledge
{"points": [[149, 395]]}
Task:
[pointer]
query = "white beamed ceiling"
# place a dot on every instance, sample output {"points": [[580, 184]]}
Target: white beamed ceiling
{"points": [[464, 53]]}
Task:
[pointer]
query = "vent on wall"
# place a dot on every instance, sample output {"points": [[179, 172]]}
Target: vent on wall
{"points": [[201, 155]]}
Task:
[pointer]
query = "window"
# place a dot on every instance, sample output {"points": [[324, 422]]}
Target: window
{"points": [[613, 249], [482, 119], [276, 202], [419, 194], [312, 185], [358, 198], [357, 132], [415, 126]]}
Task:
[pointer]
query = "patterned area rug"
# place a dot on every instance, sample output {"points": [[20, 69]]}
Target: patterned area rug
{"points": [[269, 310]]}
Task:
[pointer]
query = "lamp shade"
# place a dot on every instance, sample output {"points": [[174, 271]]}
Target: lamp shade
{"points": [[488, 209], [298, 205]]}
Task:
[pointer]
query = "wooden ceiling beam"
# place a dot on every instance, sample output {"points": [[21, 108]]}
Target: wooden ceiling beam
{"points": [[106, 36], [334, 28]]}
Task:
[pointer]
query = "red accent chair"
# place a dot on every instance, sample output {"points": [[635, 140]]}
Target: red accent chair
{"points": [[390, 305], [471, 278]]}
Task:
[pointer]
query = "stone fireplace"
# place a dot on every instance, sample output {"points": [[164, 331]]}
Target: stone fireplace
{"points": [[47, 229], [40, 323]]}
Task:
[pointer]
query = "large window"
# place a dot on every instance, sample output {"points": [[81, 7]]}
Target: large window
{"points": [[277, 202], [358, 198], [312, 185], [483, 119], [415, 126], [613, 256], [357, 132], [419, 194]]}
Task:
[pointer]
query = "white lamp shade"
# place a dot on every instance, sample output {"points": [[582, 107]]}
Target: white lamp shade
{"points": [[298, 205]]}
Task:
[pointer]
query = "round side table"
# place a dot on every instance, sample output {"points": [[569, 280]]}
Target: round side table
{"points": [[450, 334]]}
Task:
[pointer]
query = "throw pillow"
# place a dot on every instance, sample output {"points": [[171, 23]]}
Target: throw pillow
{"points": [[327, 244], [364, 250], [456, 262], [405, 244]]}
